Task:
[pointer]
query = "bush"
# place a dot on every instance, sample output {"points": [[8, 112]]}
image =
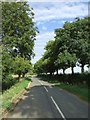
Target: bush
{"points": [[75, 79], [7, 82]]}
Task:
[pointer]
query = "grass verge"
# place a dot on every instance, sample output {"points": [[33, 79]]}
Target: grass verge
{"points": [[9, 95], [80, 91]]}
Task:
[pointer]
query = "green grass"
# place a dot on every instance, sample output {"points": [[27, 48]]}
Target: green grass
{"points": [[9, 95], [80, 91]]}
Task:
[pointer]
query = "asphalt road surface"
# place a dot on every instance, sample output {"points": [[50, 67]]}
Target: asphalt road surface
{"points": [[46, 101]]}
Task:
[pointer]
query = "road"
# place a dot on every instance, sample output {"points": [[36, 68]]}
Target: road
{"points": [[45, 101]]}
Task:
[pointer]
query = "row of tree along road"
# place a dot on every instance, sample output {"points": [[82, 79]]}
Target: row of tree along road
{"points": [[71, 46], [18, 36]]}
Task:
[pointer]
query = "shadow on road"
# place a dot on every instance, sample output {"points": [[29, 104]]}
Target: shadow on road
{"points": [[37, 104]]}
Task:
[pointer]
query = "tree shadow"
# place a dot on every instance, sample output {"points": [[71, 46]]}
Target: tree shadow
{"points": [[35, 104]]}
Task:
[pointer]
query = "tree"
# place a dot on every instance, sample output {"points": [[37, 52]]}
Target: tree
{"points": [[22, 66], [81, 36], [46, 63], [7, 69], [60, 46], [7, 63], [18, 28], [38, 67], [71, 45], [73, 37], [49, 57], [18, 36], [65, 60], [26, 67]]}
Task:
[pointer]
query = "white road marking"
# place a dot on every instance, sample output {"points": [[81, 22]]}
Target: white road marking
{"points": [[41, 83], [45, 88], [58, 108]]}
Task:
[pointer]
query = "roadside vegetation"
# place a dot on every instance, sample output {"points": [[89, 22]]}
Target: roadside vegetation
{"points": [[69, 49], [11, 94], [18, 36], [77, 84], [81, 91]]}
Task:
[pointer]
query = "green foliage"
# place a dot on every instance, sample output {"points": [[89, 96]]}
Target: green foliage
{"points": [[78, 88], [65, 60], [82, 44], [7, 63], [18, 36], [17, 65], [22, 66], [38, 66], [7, 70], [81, 92], [7, 82], [71, 45], [46, 63], [18, 28], [75, 79], [11, 94]]}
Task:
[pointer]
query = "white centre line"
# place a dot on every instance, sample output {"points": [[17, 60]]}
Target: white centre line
{"points": [[58, 108], [45, 88], [41, 83]]}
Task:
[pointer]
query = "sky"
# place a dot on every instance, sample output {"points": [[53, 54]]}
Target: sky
{"points": [[52, 15]]}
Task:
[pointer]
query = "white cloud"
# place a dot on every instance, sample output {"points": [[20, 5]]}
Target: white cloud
{"points": [[38, 23], [45, 35], [49, 0], [60, 11], [63, 21], [44, 28], [54, 11], [40, 43], [57, 0]]}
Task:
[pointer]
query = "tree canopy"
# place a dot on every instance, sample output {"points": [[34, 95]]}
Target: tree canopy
{"points": [[71, 46], [18, 28], [18, 35]]}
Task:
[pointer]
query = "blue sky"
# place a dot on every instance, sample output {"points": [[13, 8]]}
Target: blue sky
{"points": [[52, 15]]}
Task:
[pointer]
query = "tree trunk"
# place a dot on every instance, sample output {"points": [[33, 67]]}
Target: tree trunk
{"points": [[82, 69], [63, 71], [19, 76], [57, 71], [72, 70], [23, 75], [50, 73]]}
